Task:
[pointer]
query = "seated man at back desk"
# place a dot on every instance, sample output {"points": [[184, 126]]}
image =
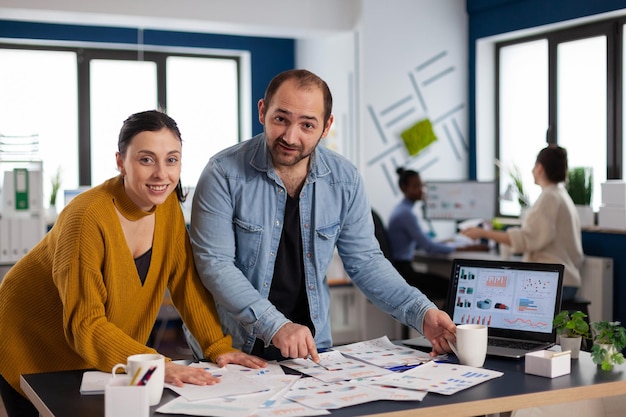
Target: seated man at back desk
{"points": [[406, 236]]}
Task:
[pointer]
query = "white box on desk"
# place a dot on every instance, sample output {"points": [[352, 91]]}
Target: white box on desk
{"points": [[548, 363], [612, 217], [613, 193], [124, 400]]}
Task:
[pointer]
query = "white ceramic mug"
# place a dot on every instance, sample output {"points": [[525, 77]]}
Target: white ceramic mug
{"points": [[471, 344], [138, 365]]}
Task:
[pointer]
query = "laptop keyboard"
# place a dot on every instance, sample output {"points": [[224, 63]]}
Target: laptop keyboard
{"points": [[514, 344]]}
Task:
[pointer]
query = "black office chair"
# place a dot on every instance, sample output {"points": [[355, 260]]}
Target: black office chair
{"points": [[381, 235]]}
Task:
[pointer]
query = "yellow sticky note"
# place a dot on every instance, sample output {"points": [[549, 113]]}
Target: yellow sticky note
{"points": [[418, 137]]}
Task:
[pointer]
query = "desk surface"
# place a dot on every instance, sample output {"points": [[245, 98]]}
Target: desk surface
{"points": [[57, 393]]}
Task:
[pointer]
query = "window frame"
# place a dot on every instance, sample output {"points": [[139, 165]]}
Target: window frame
{"points": [[613, 30], [86, 53]]}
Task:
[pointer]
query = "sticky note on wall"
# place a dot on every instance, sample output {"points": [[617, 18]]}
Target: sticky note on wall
{"points": [[418, 137]]}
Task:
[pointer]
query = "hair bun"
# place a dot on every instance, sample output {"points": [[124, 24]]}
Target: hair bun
{"points": [[399, 170]]}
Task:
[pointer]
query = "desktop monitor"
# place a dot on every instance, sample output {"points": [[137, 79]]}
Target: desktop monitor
{"points": [[460, 200]]}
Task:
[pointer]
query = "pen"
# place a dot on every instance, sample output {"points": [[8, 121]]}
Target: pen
{"points": [[318, 363], [146, 377], [565, 352], [137, 372]]}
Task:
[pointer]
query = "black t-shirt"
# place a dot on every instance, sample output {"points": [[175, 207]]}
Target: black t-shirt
{"points": [[288, 291], [143, 264]]}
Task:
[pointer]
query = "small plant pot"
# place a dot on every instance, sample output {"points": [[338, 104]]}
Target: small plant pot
{"points": [[606, 362], [572, 344]]}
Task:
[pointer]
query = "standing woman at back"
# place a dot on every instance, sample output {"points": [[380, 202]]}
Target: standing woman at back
{"points": [[550, 231]]}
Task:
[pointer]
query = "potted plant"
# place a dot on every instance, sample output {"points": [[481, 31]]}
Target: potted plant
{"points": [[572, 328], [579, 186], [55, 181], [609, 339]]}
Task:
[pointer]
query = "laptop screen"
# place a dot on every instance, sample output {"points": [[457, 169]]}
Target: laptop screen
{"points": [[513, 299]]}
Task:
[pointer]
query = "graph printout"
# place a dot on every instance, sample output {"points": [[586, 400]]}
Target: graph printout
{"points": [[382, 352], [442, 378], [507, 299]]}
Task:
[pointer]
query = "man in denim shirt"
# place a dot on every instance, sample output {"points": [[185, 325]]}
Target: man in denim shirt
{"points": [[267, 214]]}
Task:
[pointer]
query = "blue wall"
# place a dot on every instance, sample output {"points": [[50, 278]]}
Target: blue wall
{"points": [[492, 17], [268, 56]]}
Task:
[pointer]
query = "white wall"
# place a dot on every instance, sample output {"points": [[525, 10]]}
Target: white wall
{"points": [[411, 48], [333, 58], [375, 55]]}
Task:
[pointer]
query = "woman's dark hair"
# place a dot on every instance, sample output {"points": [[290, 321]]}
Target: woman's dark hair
{"points": [[149, 121], [553, 158], [404, 175], [304, 79]]}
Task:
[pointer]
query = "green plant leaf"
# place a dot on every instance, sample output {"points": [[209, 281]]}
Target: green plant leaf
{"points": [[579, 185]]}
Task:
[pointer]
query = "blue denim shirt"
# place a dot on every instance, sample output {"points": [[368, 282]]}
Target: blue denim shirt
{"points": [[236, 224]]}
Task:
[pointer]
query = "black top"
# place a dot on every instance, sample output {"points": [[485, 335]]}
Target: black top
{"points": [[288, 291], [143, 263]]}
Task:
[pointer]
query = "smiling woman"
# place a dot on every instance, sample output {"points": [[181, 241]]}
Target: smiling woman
{"points": [[95, 282]]}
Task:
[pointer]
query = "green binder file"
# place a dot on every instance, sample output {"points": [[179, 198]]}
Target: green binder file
{"points": [[20, 183]]}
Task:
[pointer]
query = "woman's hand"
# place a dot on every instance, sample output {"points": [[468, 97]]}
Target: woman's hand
{"points": [[240, 358], [177, 374], [474, 233]]}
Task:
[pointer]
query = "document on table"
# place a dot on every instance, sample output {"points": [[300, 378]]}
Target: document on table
{"points": [[442, 378], [93, 382], [234, 380], [322, 395], [337, 367], [237, 405], [381, 352]]}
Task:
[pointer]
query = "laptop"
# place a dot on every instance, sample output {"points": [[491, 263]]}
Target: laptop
{"points": [[517, 301]]}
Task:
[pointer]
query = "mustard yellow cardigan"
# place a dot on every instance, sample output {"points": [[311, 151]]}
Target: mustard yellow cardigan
{"points": [[75, 301]]}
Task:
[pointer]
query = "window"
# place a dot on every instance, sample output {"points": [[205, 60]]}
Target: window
{"points": [[558, 87], [38, 93], [74, 100]]}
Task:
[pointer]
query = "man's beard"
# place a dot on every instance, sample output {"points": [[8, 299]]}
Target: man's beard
{"points": [[279, 157]]}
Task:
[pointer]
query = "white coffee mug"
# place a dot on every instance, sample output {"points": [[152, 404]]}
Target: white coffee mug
{"points": [[471, 344], [140, 367]]}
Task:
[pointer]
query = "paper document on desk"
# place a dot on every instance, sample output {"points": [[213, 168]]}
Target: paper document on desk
{"points": [[330, 396], [442, 378], [234, 380], [234, 405], [461, 241], [93, 382], [382, 352], [470, 223], [337, 367]]}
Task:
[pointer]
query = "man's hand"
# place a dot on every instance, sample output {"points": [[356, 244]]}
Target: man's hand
{"points": [[439, 328], [295, 341]]}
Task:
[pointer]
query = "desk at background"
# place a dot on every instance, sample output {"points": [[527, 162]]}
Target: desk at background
{"points": [[57, 393], [441, 264], [597, 277]]}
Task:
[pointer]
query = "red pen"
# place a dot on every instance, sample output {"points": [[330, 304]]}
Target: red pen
{"points": [[146, 377]]}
